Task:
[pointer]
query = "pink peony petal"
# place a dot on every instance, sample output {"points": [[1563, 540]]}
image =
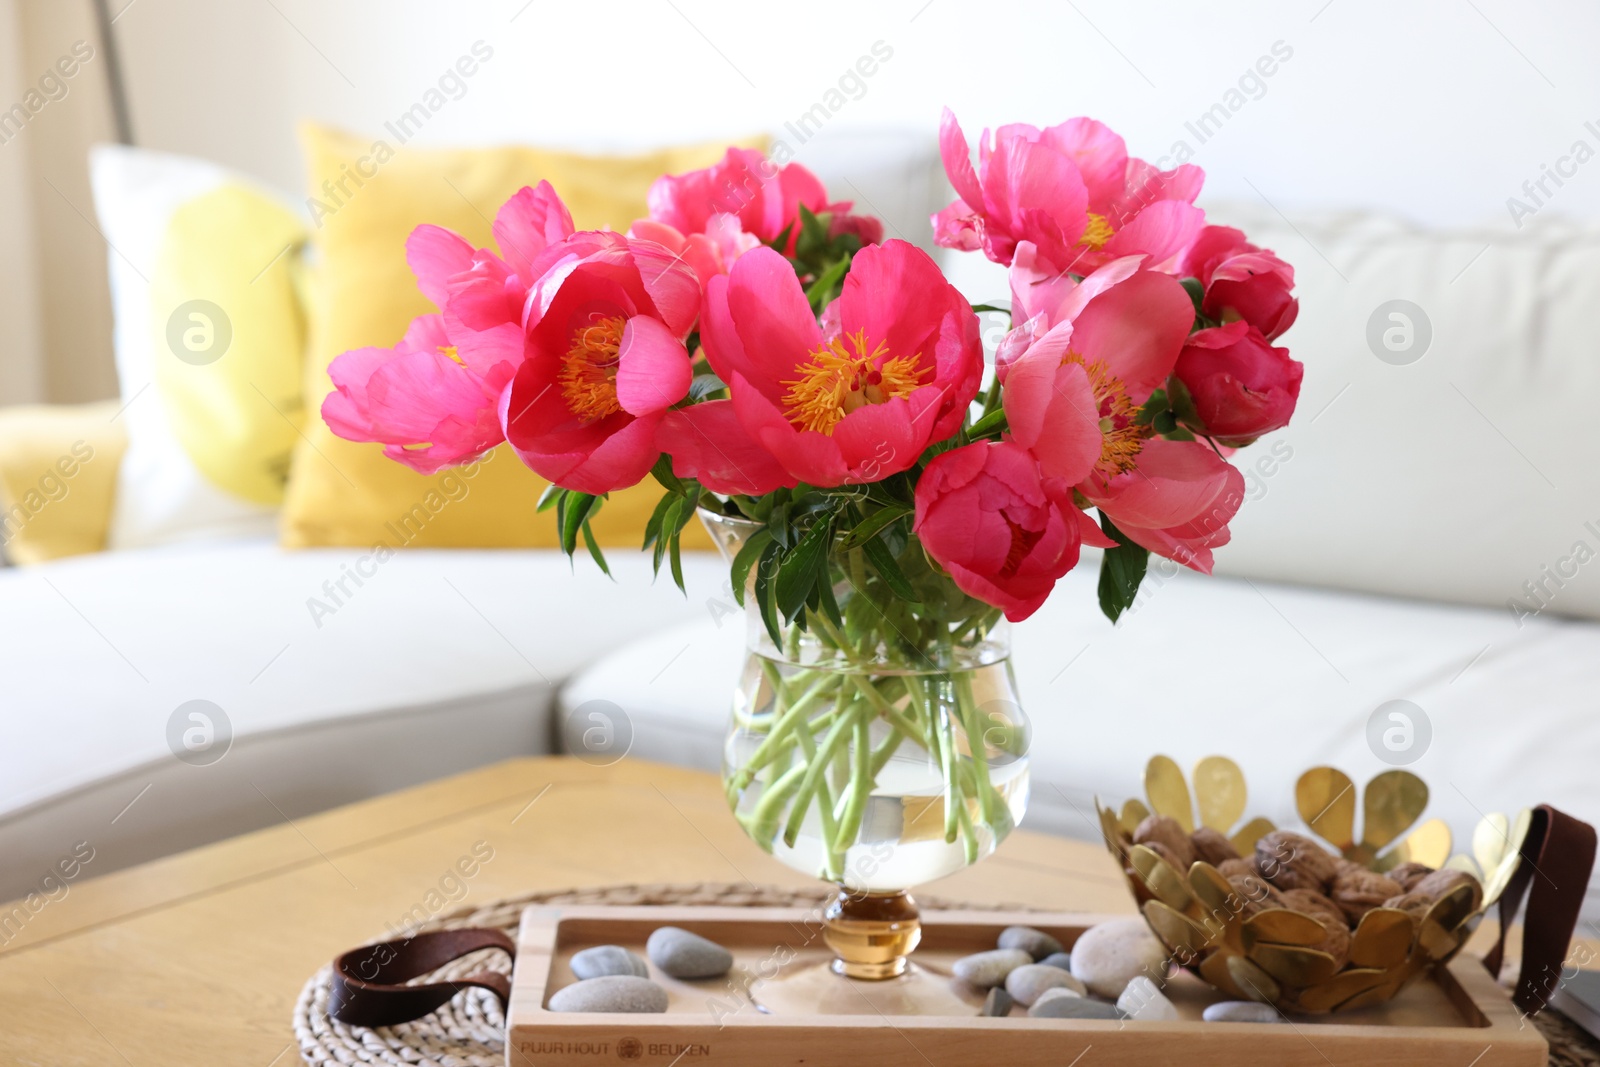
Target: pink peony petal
{"points": [[1137, 329], [436, 255], [532, 220], [774, 321], [653, 370], [957, 157], [1052, 411], [708, 443]]}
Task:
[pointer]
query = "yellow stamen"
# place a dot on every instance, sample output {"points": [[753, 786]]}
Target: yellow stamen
{"points": [[1121, 438], [1097, 233], [450, 352], [588, 376], [841, 375]]}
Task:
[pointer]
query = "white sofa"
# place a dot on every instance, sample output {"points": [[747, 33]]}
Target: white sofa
{"points": [[441, 661]]}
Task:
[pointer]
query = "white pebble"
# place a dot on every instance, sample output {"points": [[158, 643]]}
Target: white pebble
{"points": [[1141, 1000]]}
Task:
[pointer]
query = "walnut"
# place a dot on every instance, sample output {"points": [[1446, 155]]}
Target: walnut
{"points": [[1442, 882], [1326, 912], [1210, 845], [1357, 891], [1413, 904], [1293, 861], [1255, 894], [1231, 869], [1161, 829], [1409, 874]]}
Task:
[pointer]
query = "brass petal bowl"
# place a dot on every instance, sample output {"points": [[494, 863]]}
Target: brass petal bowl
{"points": [[1269, 955]]}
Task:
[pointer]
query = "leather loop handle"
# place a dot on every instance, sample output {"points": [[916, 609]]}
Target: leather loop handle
{"points": [[369, 983], [1557, 859]]}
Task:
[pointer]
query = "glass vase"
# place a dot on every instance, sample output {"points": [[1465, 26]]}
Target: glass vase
{"points": [[876, 751]]}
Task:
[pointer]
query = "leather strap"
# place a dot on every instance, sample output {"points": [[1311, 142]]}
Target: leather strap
{"points": [[1557, 858], [369, 983]]}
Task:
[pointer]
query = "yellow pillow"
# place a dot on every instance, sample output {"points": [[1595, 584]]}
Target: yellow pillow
{"points": [[235, 405], [58, 475], [360, 293]]}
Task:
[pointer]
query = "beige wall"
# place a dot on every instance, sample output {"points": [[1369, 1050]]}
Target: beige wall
{"points": [[55, 261]]}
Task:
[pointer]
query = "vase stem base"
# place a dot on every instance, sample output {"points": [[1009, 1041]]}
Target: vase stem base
{"points": [[872, 934]]}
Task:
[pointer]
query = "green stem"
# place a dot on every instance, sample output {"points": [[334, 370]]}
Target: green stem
{"points": [[815, 766], [861, 782]]}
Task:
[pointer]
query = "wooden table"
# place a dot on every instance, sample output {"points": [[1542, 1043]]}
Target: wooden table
{"points": [[198, 958]]}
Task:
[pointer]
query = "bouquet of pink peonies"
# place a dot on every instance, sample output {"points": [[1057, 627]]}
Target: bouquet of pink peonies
{"points": [[822, 396]]}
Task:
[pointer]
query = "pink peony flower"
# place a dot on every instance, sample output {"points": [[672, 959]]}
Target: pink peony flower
{"points": [[1076, 373], [1177, 501], [1239, 385], [432, 399], [1071, 190], [765, 198], [606, 321], [710, 253], [859, 407], [1003, 531], [428, 408], [1242, 282]]}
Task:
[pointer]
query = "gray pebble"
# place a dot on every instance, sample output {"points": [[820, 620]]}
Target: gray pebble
{"points": [[611, 993], [988, 969], [684, 955], [1058, 959], [1028, 981], [1072, 1008], [1052, 994], [1035, 943], [997, 1004], [602, 960], [1242, 1011]]}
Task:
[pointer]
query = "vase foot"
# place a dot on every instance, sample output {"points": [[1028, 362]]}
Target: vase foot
{"points": [[872, 935]]}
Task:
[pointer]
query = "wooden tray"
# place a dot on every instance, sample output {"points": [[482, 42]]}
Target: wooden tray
{"points": [[1458, 1017]]}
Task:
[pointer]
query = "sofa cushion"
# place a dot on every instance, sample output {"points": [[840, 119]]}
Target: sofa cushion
{"points": [[341, 675], [1280, 678]]}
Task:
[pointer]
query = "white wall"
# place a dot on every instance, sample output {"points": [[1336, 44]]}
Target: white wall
{"points": [[1434, 109]]}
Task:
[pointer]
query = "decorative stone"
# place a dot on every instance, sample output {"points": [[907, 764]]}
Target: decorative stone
{"points": [[1035, 943], [1052, 994], [611, 993], [684, 955], [1028, 981], [997, 1004], [988, 969], [1058, 959], [602, 960], [1241, 1011], [1141, 1000], [1108, 956], [1070, 1007]]}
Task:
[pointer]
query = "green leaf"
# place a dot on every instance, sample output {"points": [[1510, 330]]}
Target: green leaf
{"points": [[992, 424], [979, 309], [801, 567], [781, 241], [662, 472], [652, 529], [669, 523], [1196, 290], [830, 605], [873, 525], [577, 510], [677, 561], [826, 285], [883, 562], [763, 590], [703, 386], [594, 549], [740, 571], [550, 497], [1121, 570], [813, 236]]}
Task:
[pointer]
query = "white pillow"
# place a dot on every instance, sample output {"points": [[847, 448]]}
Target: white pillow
{"points": [[168, 487]]}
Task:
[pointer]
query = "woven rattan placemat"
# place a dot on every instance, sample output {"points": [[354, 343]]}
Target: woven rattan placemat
{"points": [[470, 1030]]}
